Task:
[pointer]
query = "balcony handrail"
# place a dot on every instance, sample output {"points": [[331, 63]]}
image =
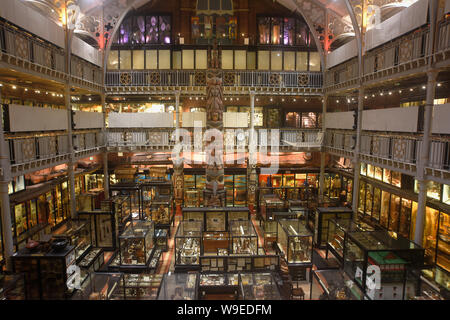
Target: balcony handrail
{"points": [[231, 78]]}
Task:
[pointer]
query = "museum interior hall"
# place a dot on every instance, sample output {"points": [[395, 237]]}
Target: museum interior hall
{"points": [[225, 150]]}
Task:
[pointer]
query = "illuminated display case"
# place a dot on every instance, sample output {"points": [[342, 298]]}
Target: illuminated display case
{"points": [[132, 190], [91, 262], [270, 226], [219, 286], [259, 286], [188, 244], [141, 286], [216, 219], [122, 207], [244, 239], [78, 233], [295, 242], [136, 244], [334, 284], [319, 226], [214, 241], [104, 227], [101, 286], [162, 211], [270, 203], [398, 260], [47, 272], [179, 286], [337, 231]]}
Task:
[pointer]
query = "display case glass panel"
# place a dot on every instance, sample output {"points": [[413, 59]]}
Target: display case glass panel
{"points": [[104, 228], [362, 194], [101, 286], [334, 284], [369, 199], [295, 241], [244, 239], [405, 218], [398, 260], [443, 242], [179, 286], [385, 201], [188, 241], [394, 213], [215, 221], [363, 169], [378, 173], [430, 234], [161, 210], [79, 235], [322, 216], [396, 179], [387, 176], [259, 286], [370, 171], [136, 243], [337, 230], [141, 286], [376, 204], [238, 215]]}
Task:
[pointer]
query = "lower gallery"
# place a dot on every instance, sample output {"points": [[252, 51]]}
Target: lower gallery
{"points": [[224, 150]]}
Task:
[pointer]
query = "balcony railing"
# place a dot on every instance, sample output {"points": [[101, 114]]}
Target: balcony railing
{"points": [[231, 78], [405, 148], [443, 41], [164, 138], [27, 149], [25, 47], [409, 51], [22, 45]]}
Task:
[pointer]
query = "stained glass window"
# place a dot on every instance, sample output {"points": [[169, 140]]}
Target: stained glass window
{"points": [[289, 31], [138, 35], [151, 35]]}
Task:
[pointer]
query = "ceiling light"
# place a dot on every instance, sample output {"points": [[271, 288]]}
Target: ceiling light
{"points": [[14, 87], [424, 87], [365, 97], [26, 89], [411, 89], [390, 93], [439, 84], [337, 101]]}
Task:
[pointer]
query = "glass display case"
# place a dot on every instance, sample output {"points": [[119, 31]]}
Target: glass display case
{"points": [[101, 286], [104, 227], [132, 190], [122, 208], [337, 230], [270, 203], [78, 233], [214, 241], [295, 242], [334, 284], [91, 262], [162, 239], [383, 265], [270, 226], [47, 272], [318, 223], [162, 211], [244, 239], [259, 286], [179, 286], [136, 244], [216, 219], [300, 211], [219, 286], [188, 242], [141, 286]]}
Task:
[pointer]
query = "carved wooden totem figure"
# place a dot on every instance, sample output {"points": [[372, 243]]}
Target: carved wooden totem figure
{"points": [[214, 194]]}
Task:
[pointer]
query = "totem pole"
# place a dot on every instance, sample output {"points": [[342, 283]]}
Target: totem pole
{"points": [[214, 193]]}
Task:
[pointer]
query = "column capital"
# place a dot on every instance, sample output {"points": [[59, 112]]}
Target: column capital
{"points": [[252, 94]]}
